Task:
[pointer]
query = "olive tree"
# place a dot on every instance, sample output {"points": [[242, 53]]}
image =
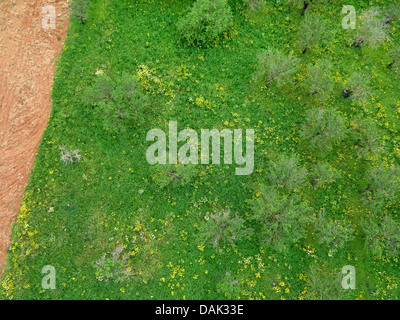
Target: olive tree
{"points": [[205, 21], [372, 30], [117, 99], [283, 219], [393, 54], [312, 30], [79, 9], [274, 65], [286, 172], [323, 173], [322, 128], [382, 235], [357, 88], [223, 227], [319, 80], [333, 233], [368, 139], [384, 184]]}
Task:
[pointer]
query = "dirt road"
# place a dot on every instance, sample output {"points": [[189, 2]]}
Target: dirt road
{"points": [[28, 52]]}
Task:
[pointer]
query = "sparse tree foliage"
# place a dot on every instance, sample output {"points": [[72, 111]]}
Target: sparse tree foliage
{"points": [[384, 184], [368, 140], [324, 174], [205, 21], [283, 219], [274, 65], [79, 9], [312, 30], [301, 3], [358, 88], [319, 80], [117, 99], [391, 13], [222, 227], [394, 54], [323, 127], [333, 233], [286, 172], [324, 284], [373, 29], [382, 235]]}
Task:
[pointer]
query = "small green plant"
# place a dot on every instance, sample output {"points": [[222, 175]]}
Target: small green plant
{"points": [[222, 227], [274, 65], [205, 21], [115, 267], [118, 99]]}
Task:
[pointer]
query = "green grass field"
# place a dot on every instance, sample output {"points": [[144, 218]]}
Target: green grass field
{"points": [[73, 214]]}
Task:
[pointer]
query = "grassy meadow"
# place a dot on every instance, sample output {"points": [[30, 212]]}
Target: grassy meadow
{"points": [[113, 200]]}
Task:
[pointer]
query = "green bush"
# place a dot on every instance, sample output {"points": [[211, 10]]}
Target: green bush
{"points": [[205, 21]]}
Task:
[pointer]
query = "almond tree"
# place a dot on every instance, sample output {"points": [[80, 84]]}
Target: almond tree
{"points": [[277, 66], [283, 219]]}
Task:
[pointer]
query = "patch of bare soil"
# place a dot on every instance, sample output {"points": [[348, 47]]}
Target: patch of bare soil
{"points": [[27, 63]]}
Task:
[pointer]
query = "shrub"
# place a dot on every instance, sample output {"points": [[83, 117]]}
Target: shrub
{"points": [[118, 99], [312, 30], [69, 156], [205, 21], [222, 227], [274, 65], [383, 184]]}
